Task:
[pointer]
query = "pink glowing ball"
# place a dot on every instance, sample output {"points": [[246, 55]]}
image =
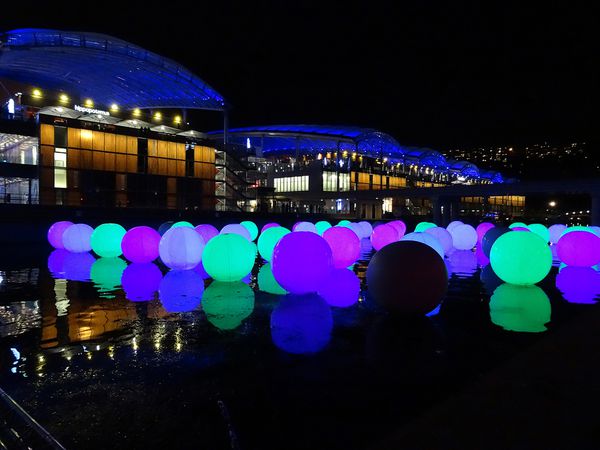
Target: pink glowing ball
{"points": [[384, 235], [344, 244], [181, 248], [442, 235], [579, 249], [236, 228], [483, 228], [206, 232], [140, 244], [269, 225], [399, 226], [55, 233]]}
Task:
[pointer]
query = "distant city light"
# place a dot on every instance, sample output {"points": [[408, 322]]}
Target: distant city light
{"points": [[137, 112], [157, 115]]}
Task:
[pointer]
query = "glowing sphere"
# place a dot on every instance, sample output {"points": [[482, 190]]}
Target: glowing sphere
{"points": [[490, 237], [321, 226], [106, 275], [383, 235], [301, 324], [181, 290], [399, 226], [579, 284], [199, 269], [422, 226], [577, 228], [226, 305], [229, 257], [206, 232], [579, 249], [366, 248], [235, 228], [164, 227], [453, 224], [354, 227], [595, 230], [341, 289], [482, 259], [55, 233], [269, 225], [464, 237], [140, 281], [518, 225], [343, 223], [251, 227], [520, 308], [407, 277], [463, 263], [182, 223], [367, 229], [540, 230], [56, 263], [305, 226], [443, 236], [426, 239], [483, 228], [77, 238], [106, 240], [181, 248], [301, 262], [267, 282], [556, 232], [140, 244], [78, 266], [344, 244], [521, 258], [269, 239]]}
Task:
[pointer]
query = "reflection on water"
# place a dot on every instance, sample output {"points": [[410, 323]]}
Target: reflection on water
{"points": [[181, 290], [267, 282], [78, 266], [106, 275], [462, 263], [141, 281], [579, 284], [226, 305], [341, 289], [520, 308]]}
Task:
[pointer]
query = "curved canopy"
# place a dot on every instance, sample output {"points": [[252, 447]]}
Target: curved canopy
{"points": [[106, 69], [464, 168], [428, 157]]}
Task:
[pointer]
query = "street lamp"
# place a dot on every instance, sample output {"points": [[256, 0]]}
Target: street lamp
{"points": [[552, 204]]}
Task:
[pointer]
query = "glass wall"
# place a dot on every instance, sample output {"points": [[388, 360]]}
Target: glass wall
{"points": [[18, 190], [330, 181], [17, 149], [291, 184]]}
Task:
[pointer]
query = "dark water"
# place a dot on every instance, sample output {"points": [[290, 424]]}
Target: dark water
{"points": [[212, 365]]}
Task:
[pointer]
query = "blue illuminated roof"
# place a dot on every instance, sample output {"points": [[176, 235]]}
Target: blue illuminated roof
{"points": [[465, 168], [427, 157], [106, 69]]}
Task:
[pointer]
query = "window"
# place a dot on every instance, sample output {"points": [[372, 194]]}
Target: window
{"points": [[291, 184], [330, 181], [60, 168]]}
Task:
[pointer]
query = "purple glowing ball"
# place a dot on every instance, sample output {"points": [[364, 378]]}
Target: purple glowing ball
{"points": [[181, 248], [56, 263], [483, 228], [140, 245], [236, 228], [482, 259], [342, 288], [400, 228], [269, 225], [579, 284], [301, 262], [140, 281], [345, 246], [384, 235], [206, 232], [78, 238], [579, 249], [442, 235], [519, 229], [55, 233]]}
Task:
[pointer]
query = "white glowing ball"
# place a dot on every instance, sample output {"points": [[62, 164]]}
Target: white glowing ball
{"points": [[236, 228], [442, 235], [78, 238], [426, 239], [181, 248], [367, 229], [453, 225], [464, 237], [305, 226], [556, 231]]}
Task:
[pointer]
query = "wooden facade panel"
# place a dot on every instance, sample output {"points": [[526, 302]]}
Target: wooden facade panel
{"points": [[132, 145], [109, 142], [98, 140], [46, 134], [73, 158], [74, 137], [109, 161], [86, 139], [162, 149], [131, 164], [152, 147], [120, 144]]}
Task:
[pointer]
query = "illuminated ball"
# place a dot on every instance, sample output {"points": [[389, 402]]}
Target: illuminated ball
{"points": [[342, 288], [556, 232], [422, 226], [140, 244], [343, 223], [490, 237], [579, 284], [321, 226], [267, 282], [181, 248], [235, 228], [577, 228], [181, 290], [407, 277], [463, 263], [464, 237], [399, 226], [164, 227], [354, 227], [344, 244], [483, 228], [520, 308], [305, 226], [367, 229], [519, 229], [77, 238], [482, 259], [269, 225], [229, 257], [200, 270], [226, 305], [426, 239], [540, 230], [269, 239], [301, 324], [453, 224], [55, 233], [518, 225], [443, 236], [383, 235], [56, 263], [579, 249], [301, 262], [206, 232], [182, 223], [78, 266], [521, 258], [595, 230], [140, 281], [106, 275], [251, 227]]}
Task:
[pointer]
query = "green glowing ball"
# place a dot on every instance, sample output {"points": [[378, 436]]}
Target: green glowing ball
{"points": [[520, 308], [518, 225], [228, 257], [269, 239], [106, 275], [182, 223], [106, 240], [227, 304], [520, 258], [322, 226], [251, 227], [422, 226], [343, 223], [268, 283], [577, 228], [540, 230]]}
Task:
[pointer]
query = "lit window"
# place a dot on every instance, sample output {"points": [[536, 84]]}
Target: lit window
{"points": [[60, 168]]}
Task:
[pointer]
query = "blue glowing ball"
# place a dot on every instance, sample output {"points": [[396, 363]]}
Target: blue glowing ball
{"points": [[140, 244], [464, 237], [77, 238], [463, 263], [305, 226], [55, 233], [301, 324], [181, 248], [367, 229], [426, 239], [226, 305], [579, 284], [236, 228], [140, 281], [206, 232], [443, 236], [344, 244], [181, 290], [301, 262], [78, 266], [342, 288]]}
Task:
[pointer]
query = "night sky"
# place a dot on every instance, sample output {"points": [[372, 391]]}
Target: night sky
{"points": [[430, 73]]}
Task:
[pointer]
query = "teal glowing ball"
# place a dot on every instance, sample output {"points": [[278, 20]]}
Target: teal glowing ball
{"points": [[343, 223], [322, 226], [520, 308], [106, 275], [521, 258], [106, 240], [182, 223], [577, 228], [269, 239], [540, 230], [251, 227], [229, 257], [518, 225], [226, 305], [422, 226]]}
